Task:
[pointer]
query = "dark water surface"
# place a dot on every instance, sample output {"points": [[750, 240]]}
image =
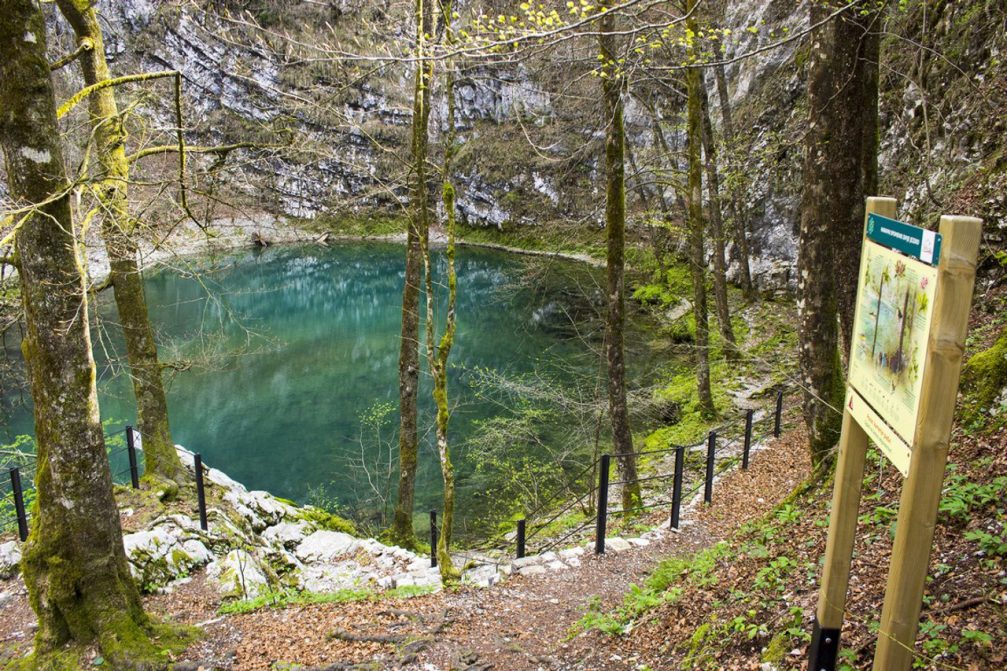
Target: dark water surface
{"points": [[287, 349]]}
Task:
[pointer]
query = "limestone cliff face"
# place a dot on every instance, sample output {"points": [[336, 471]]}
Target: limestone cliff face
{"points": [[531, 132]]}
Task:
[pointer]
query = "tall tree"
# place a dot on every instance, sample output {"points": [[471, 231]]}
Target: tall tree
{"points": [[438, 353], [613, 82], [118, 228], [74, 565], [735, 207], [694, 84], [717, 228], [416, 240], [836, 163]]}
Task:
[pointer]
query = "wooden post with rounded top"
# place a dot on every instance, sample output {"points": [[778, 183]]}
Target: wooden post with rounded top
{"points": [[922, 490], [843, 520]]}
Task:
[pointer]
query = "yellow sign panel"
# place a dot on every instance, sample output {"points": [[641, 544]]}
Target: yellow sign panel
{"points": [[890, 334]]}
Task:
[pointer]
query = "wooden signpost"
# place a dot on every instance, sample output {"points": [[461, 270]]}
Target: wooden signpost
{"points": [[912, 313]]}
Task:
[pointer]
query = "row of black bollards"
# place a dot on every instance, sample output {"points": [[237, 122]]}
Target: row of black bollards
{"points": [[601, 520]]}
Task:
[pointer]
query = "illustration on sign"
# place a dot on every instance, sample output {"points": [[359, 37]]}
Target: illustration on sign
{"points": [[890, 335]]}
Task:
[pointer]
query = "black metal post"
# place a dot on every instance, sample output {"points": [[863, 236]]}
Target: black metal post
{"points": [[676, 493], [200, 494], [748, 439], [22, 517], [134, 473], [520, 538], [711, 449], [824, 650], [779, 414], [433, 539], [602, 519]]}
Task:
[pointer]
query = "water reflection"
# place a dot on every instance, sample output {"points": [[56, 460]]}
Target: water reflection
{"points": [[285, 349]]}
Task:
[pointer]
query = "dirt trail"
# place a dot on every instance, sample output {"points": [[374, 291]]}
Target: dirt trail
{"points": [[526, 622]]}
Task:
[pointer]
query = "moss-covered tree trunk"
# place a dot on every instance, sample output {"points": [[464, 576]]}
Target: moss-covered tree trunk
{"points": [[613, 82], [78, 578], [735, 203], [161, 461], [694, 130], [416, 239], [730, 345], [437, 356]]}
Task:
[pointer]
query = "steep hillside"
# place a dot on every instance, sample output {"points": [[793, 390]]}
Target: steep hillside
{"points": [[331, 112]]}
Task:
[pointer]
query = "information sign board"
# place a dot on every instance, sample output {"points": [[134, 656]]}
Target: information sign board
{"points": [[892, 328]]}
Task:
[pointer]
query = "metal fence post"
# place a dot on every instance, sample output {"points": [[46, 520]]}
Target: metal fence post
{"points": [[520, 538], [602, 519], [200, 494], [749, 416], [676, 493], [433, 539], [134, 473], [711, 450], [22, 518], [778, 425]]}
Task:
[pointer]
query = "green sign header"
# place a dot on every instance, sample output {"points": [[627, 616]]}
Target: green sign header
{"points": [[919, 243]]}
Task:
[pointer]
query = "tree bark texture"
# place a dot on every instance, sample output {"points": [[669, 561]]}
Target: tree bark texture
{"points": [[853, 151], [161, 461], [416, 239], [826, 186], [730, 345], [612, 84], [74, 565]]}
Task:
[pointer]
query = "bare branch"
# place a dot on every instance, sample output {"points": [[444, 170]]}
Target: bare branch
{"points": [[86, 44]]}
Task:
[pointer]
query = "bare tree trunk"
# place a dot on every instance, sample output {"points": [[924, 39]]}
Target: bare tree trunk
{"points": [[612, 84], [161, 461], [717, 226], [696, 244], [736, 209], [817, 258], [74, 565], [419, 226]]}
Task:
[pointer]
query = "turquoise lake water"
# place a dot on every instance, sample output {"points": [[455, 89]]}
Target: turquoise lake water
{"points": [[287, 348]]}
